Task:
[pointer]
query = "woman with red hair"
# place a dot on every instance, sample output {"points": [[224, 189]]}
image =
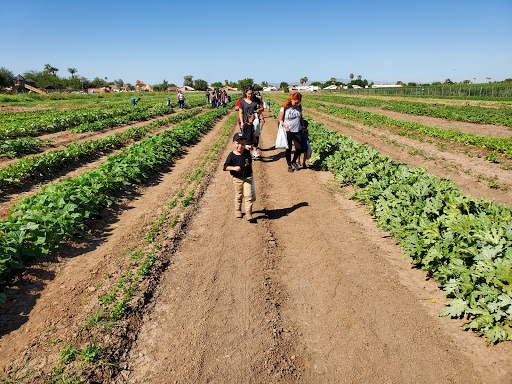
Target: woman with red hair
{"points": [[290, 117]]}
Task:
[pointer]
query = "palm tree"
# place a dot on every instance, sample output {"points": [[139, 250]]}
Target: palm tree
{"points": [[226, 82], [305, 79], [333, 80], [359, 77], [351, 76], [72, 71], [50, 69]]}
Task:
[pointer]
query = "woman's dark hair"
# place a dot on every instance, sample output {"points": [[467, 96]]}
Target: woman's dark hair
{"points": [[247, 90]]}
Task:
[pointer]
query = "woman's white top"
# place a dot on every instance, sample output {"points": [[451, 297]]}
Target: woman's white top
{"points": [[292, 118]]}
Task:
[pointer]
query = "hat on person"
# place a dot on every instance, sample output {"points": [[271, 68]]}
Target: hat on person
{"points": [[238, 136]]}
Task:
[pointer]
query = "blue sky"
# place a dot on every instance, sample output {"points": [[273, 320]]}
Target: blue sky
{"points": [[273, 41]]}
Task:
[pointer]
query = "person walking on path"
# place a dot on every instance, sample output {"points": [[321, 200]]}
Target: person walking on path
{"points": [[249, 106], [290, 117], [207, 94], [239, 165], [181, 99]]}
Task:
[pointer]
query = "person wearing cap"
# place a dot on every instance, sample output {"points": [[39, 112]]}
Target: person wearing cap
{"points": [[239, 165], [181, 99]]}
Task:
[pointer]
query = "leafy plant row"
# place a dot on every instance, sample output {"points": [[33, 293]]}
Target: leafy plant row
{"points": [[40, 223], [466, 113], [501, 145], [21, 146], [463, 242], [41, 167], [159, 110], [61, 119]]}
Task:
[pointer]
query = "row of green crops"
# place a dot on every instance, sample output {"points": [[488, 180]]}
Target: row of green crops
{"points": [[21, 124], [159, 110], [466, 113], [58, 120], [463, 242], [41, 167], [501, 145], [21, 146], [40, 223]]}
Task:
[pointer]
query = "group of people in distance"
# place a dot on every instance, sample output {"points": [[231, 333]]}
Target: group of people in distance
{"points": [[218, 98], [239, 161]]}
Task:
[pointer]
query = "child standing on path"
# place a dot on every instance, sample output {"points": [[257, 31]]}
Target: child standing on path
{"points": [[239, 164]]}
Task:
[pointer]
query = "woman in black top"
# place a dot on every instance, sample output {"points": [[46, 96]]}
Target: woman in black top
{"points": [[249, 106]]}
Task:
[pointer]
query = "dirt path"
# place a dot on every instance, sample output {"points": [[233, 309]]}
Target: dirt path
{"points": [[311, 293]]}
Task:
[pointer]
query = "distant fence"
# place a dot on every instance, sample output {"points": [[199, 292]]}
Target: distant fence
{"points": [[458, 91]]}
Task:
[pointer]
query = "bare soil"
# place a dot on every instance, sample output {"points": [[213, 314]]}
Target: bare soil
{"points": [[311, 292]]}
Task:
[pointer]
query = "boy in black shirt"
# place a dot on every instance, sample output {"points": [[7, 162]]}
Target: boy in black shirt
{"points": [[239, 164]]}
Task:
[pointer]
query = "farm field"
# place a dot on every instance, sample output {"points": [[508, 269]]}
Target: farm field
{"points": [[149, 278]]}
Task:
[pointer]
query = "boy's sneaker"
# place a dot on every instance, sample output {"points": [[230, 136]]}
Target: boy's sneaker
{"points": [[290, 169], [295, 166], [248, 216], [238, 214], [304, 165]]}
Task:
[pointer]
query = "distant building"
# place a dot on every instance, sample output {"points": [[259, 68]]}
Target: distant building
{"points": [[386, 85], [227, 88], [331, 87], [186, 88], [25, 85], [306, 88], [270, 89]]}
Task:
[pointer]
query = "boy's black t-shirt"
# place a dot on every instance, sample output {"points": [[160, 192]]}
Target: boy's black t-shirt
{"points": [[244, 161], [248, 132]]}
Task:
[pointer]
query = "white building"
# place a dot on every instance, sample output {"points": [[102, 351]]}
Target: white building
{"points": [[269, 89], [386, 85]]}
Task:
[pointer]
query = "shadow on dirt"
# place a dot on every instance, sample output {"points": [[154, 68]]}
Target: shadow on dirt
{"points": [[274, 214]]}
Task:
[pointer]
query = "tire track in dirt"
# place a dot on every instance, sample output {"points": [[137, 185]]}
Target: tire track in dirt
{"points": [[459, 168], [217, 313]]}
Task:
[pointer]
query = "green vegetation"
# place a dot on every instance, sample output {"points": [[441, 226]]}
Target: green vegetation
{"points": [[466, 113], [40, 223]]}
